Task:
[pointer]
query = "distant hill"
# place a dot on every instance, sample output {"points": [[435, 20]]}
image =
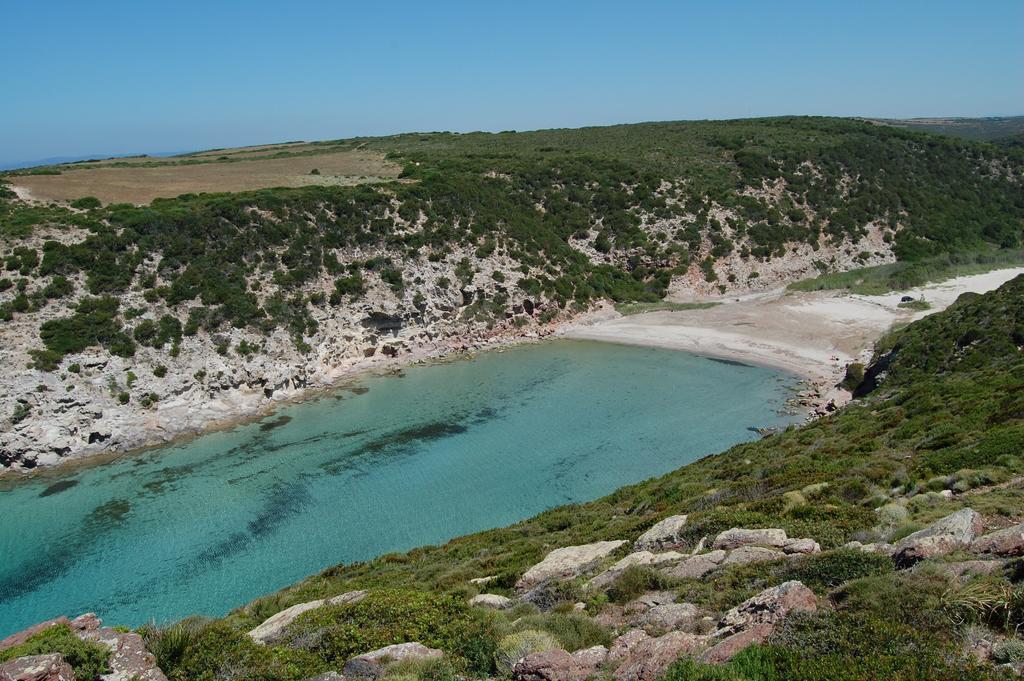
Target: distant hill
{"points": [[988, 129]]}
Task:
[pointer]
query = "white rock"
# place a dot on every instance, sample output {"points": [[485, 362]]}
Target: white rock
{"points": [[567, 562]]}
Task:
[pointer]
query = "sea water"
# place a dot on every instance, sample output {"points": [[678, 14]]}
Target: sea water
{"points": [[385, 464]]}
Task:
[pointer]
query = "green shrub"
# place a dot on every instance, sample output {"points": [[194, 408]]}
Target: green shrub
{"points": [[635, 581], [86, 202], [824, 571], [515, 647], [573, 631], [1009, 651], [88, 659]]}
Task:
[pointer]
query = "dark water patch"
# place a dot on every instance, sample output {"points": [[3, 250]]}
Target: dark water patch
{"points": [[107, 515], [58, 487], [165, 477], [484, 415], [268, 426], [731, 362], [285, 501], [425, 433], [236, 542], [359, 390]]}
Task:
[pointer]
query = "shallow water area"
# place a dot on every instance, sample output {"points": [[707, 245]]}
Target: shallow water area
{"points": [[387, 464]]}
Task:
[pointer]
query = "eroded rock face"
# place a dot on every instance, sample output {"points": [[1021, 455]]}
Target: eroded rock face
{"points": [[731, 646], [738, 536], [558, 665], [273, 627], [957, 530], [696, 567], [752, 554], [644, 658], [495, 601], [372, 664], [567, 562], [665, 534], [1007, 543], [770, 606], [50, 667]]}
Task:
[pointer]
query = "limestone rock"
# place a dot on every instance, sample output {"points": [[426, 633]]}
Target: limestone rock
{"points": [[639, 558], [494, 601], [738, 536], [955, 531], [771, 606], [733, 645], [697, 566], [275, 625], [876, 547], [644, 658], [665, 534], [50, 667], [801, 546], [1008, 542], [371, 665], [752, 554], [566, 562], [129, 658], [671, 616], [558, 665]]}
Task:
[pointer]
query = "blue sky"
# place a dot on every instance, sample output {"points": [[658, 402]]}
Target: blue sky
{"points": [[117, 77]]}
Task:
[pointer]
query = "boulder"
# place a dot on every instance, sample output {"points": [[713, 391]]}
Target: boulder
{"points": [[752, 554], [129, 658], [372, 664], [644, 658], [50, 667], [639, 558], [558, 665], [665, 534], [876, 547], [1008, 542], [957, 530], [494, 601], [730, 646], [801, 546], [274, 626], [737, 537], [87, 622], [16, 639], [671, 616], [696, 567], [567, 562], [770, 606]]}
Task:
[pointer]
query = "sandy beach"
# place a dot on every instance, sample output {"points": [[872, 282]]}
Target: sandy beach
{"points": [[814, 335]]}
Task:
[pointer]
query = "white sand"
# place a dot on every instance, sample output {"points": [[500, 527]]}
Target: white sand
{"points": [[814, 335]]}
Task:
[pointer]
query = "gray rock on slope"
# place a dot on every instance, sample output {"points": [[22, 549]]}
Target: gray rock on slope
{"points": [[50, 667], [697, 566], [559, 665], [640, 558], [665, 534], [567, 562], [372, 664], [770, 606], [737, 536], [644, 658], [495, 601], [956, 530], [274, 626], [1008, 542]]}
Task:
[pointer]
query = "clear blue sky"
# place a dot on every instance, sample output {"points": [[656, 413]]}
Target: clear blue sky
{"points": [[115, 77]]}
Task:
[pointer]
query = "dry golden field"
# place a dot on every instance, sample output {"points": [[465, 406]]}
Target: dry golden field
{"points": [[141, 179]]}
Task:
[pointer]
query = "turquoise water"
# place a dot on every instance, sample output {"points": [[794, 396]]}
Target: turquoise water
{"points": [[388, 464]]}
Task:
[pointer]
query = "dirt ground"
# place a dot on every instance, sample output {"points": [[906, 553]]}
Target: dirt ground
{"points": [[142, 185]]}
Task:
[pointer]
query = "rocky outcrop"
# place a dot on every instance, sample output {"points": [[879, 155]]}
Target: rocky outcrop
{"points": [[644, 658], [752, 554], [732, 645], [567, 562], [955, 531], [559, 665], [16, 639], [804, 546], [665, 534], [493, 601], [738, 536], [273, 627], [50, 667], [371, 665], [697, 566], [129, 658], [770, 606], [671, 617], [640, 558], [1008, 542]]}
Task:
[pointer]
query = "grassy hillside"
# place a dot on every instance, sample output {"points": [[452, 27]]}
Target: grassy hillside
{"points": [[941, 408], [612, 212]]}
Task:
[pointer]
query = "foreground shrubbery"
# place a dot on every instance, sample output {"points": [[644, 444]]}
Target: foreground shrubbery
{"points": [[87, 659]]}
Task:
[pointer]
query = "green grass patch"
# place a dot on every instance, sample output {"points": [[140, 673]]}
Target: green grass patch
{"points": [[627, 309]]}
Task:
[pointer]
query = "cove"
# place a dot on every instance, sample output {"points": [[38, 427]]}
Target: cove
{"points": [[387, 464]]}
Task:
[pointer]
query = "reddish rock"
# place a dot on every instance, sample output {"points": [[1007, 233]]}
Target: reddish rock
{"points": [[87, 622], [643, 658], [129, 658], [50, 667], [697, 566], [731, 646], [771, 606], [1007, 543], [20, 637], [558, 665]]}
